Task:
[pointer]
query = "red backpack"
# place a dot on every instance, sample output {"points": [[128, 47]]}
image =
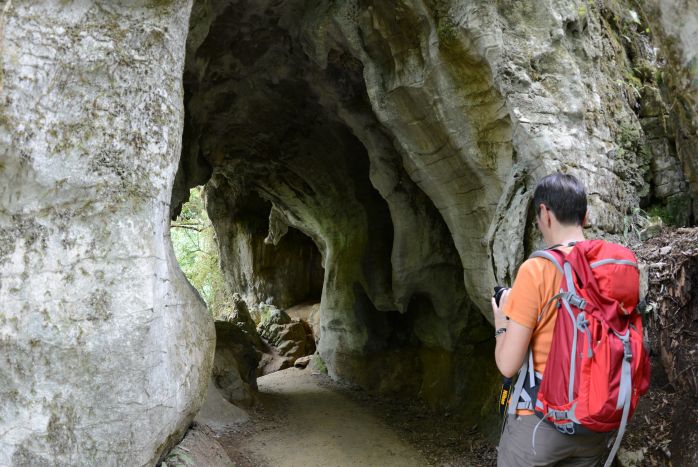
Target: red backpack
{"points": [[598, 365]]}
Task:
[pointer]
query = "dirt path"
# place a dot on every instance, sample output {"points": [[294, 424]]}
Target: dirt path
{"points": [[305, 424]]}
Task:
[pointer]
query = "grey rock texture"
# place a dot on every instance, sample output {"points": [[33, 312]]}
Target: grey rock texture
{"points": [[675, 24], [235, 362], [219, 414], [242, 318], [199, 448], [292, 338], [379, 156], [107, 349], [308, 312], [404, 140], [285, 269]]}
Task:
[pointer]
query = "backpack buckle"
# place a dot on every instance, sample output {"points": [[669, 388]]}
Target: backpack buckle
{"points": [[566, 428], [577, 301]]}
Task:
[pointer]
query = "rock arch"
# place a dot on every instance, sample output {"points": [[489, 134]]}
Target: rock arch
{"points": [[402, 138]]}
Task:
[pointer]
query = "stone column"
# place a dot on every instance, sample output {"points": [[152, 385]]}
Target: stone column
{"points": [[106, 349]]}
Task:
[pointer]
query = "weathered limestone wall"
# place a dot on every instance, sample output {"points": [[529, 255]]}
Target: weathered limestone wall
{"points": [[106, 348], [403, 138], [675, 28], [284, 268], [455, 110]]}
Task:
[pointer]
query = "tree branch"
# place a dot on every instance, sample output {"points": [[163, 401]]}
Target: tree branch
{"points": [[182, 225]]}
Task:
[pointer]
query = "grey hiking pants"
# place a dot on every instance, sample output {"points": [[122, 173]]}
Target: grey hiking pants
{"points": [[552, 447]]}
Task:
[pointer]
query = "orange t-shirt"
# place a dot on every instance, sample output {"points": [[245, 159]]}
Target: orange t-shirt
{"points": [[537, 281]]}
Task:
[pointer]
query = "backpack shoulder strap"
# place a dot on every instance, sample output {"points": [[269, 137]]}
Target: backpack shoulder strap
{"points": [[549, 256], [570, 294]]}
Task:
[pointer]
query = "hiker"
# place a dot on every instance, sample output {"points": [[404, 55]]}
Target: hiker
{"points": [[523, 321]]}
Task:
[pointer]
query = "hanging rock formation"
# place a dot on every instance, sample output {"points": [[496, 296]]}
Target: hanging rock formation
{"points": [[255, 261], [395, 144]]}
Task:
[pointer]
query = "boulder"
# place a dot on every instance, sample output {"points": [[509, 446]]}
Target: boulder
{"points": [[235, 363], [292, 339], [309, 313], [243, 319], [199, 448], [303, 361], [219, 414], [271, 362]]}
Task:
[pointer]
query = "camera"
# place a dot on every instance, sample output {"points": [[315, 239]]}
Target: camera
{"points": [[498, 291]]}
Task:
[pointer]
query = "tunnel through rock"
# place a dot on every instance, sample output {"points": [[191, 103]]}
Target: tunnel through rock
{"points": [[263, 258], [403, 138], [280, 128]]}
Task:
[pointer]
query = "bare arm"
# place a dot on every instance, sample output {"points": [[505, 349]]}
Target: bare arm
{"points": [[511, 346]]}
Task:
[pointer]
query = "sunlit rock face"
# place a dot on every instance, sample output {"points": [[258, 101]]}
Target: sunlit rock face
{"points": [[106, 349], [405, 139]]}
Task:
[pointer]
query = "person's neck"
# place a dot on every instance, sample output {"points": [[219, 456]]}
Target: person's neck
{"points": [[564, 235]]}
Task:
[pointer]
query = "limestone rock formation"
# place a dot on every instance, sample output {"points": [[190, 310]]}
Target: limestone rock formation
{"points": [[309, 313], [303, 361], [404, 140], [285, 269], [242, 318], [378, 156], [292, 339], [235, 363], [199, 448], [107, 349], [675, 24]]}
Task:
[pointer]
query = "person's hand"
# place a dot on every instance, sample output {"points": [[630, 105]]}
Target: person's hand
{"points": [[500, 319]]}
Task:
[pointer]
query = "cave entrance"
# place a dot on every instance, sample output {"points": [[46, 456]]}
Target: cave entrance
{"points": [[250, 251], [319, 212], [255, 265], [196, 250]]}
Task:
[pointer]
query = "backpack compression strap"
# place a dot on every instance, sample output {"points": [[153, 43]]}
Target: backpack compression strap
{"points": [[624, 396], [549, 256]]}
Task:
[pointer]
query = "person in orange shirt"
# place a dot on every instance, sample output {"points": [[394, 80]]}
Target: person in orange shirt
{"points": [[521, 321]]}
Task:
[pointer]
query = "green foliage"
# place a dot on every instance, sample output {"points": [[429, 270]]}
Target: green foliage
{"points": [[675, 211], [178, 458], [446, 29], [262, 312], [196, 249], [318, 364], [658, 210], [634, 224]]}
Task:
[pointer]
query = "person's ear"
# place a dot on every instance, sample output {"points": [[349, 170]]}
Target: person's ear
{"points": [[585, 218], [541, 210], [545, 215]]}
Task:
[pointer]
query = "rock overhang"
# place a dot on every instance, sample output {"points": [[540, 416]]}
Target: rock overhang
{"points": [[404, 140]]}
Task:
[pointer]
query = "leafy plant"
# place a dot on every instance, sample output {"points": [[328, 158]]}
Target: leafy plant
{"points": [[318, 363], [196, 249], [178, 458]]}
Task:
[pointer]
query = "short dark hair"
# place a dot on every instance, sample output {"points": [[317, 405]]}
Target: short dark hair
{"points": [[564, 195]]}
